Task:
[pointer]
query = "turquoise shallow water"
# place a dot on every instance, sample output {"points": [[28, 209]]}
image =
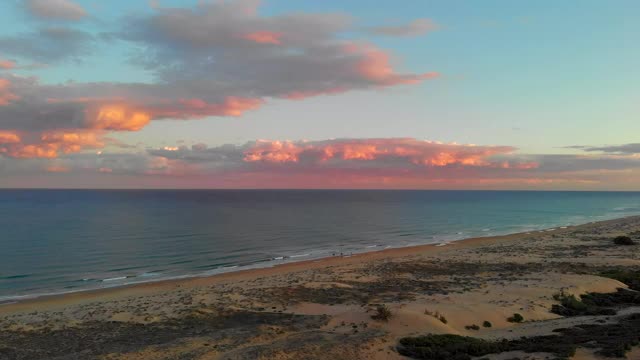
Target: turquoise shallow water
{"points": [[55, 241]]}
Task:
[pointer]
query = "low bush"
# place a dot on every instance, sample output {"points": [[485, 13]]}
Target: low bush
{"points": [[486, 324], [623, 240], [472, 327], [516, 318], [436, 315], [448, 347], [383, 313], [455, 347]]}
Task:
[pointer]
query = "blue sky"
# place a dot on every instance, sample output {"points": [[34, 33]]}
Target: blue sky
{"points": [[539, 76]]}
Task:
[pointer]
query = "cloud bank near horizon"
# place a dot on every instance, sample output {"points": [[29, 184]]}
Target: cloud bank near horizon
{"points": [[395, 163]]}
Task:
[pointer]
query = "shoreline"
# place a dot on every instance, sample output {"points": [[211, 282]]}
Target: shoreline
{"points": [[330, 308], [95, 294]]}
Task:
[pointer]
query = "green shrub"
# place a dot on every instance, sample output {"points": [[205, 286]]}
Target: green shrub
{"points": [[486, 324], [516, 318], [448, 347], [591, 304], [571, 302], [609, 340], [629, 277]]}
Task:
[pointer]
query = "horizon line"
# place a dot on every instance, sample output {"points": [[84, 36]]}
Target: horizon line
{"points": [[300, 189]]}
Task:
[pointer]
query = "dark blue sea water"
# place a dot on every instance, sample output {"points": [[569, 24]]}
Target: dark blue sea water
{"points": [[55, 241]]}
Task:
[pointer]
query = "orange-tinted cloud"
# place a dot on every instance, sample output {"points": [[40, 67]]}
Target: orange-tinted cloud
{"points": [[264, 37], [6, 96], [57, 169], [117, 117], [8, 137], [50, 144]]}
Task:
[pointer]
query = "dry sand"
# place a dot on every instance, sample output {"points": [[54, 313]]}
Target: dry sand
{"points": [[322, 309]]}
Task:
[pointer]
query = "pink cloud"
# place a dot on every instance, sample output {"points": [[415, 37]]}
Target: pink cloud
{"points": [[199, 108], [7, 64], [301, 95], [403, 150], [375, 65]]}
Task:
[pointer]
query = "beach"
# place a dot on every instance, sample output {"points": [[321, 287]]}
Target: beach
{"points": [[322, 309]]}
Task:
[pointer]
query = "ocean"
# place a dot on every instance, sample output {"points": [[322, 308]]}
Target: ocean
{"points": [[57, 241]]}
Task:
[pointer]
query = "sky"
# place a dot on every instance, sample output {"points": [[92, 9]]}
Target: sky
{"points": [[530, 95]]}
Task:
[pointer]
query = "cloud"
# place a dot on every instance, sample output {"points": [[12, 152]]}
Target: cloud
{"points": [[55, 9], [48, 45], [415, 28], [7, 64], [410, 152], [49, 144], [264, 37], [382, 153], [57, 169], [213, 59], [615, 149], [6, 96], [398, 163], [227, 47]]}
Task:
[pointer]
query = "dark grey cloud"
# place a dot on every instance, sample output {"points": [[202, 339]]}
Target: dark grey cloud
{"points": [[567, 163], [48, 45], [225, 155], [614, 149]]}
